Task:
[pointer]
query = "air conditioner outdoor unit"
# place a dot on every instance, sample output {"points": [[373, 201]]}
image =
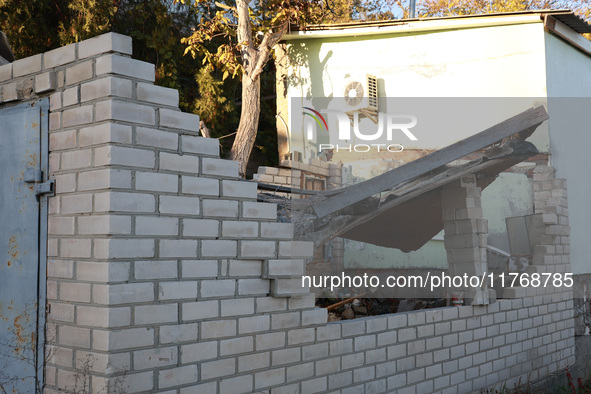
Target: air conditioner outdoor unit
{"points": [[361, 96]]}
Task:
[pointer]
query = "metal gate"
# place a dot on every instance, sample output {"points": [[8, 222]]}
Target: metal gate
{"points": [[23, 240]]}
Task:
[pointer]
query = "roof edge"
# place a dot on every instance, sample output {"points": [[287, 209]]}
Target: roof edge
{"points": [[438, 23], [566, 33]]}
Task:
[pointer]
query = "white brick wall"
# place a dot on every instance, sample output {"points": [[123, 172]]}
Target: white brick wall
{"points": [[162, 262]]}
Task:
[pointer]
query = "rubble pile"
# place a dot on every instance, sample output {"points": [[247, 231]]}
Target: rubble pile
{"points": [[351, 308]]}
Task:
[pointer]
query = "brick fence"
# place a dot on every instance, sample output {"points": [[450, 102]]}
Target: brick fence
{"points": [[166, 275]]}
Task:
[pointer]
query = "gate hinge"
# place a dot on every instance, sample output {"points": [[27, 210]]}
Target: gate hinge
{"points": [[45, 188], [47, 309], [33, 175]]}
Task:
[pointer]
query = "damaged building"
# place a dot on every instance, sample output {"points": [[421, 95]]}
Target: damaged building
{"points": [[139, 261], [508, 62]]}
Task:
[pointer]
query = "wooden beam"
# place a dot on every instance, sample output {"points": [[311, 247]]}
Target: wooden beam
{"points": [[528, 119]]}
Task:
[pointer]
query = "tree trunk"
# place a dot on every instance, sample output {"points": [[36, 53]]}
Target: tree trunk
{"points": [[253, 62], [249, 122]]}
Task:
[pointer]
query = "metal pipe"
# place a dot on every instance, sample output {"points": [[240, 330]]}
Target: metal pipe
{"points": [[287, 133], [286, 189], [412, 8]]}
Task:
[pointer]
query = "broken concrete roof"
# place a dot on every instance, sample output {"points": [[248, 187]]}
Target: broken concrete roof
{"points": [[408, 213]]}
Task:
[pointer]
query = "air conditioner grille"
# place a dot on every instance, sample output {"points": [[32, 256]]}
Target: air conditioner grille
{"points": [[372, 92]]}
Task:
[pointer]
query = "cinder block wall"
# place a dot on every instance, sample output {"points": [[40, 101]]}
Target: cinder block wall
{"points": [[166, 275], [293, 174], [330, 258]]}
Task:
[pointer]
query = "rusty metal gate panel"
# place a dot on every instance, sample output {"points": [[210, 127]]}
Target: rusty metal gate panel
{"points": [[23, 240]]}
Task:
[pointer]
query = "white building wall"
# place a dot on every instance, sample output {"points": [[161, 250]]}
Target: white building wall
{"points": [[569, 89], [479, 62], [488, 62]]}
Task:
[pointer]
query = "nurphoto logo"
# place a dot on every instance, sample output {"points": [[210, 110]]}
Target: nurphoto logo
{"points": [[317, 117], [389, 126]]}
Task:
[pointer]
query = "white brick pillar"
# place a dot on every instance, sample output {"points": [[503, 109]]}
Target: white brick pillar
{"points": [[335, 178], [337, 245], [465, 234], [552, 236]]}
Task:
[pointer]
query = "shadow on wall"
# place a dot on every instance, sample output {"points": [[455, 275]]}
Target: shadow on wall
{"points": [[301, 54]]}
